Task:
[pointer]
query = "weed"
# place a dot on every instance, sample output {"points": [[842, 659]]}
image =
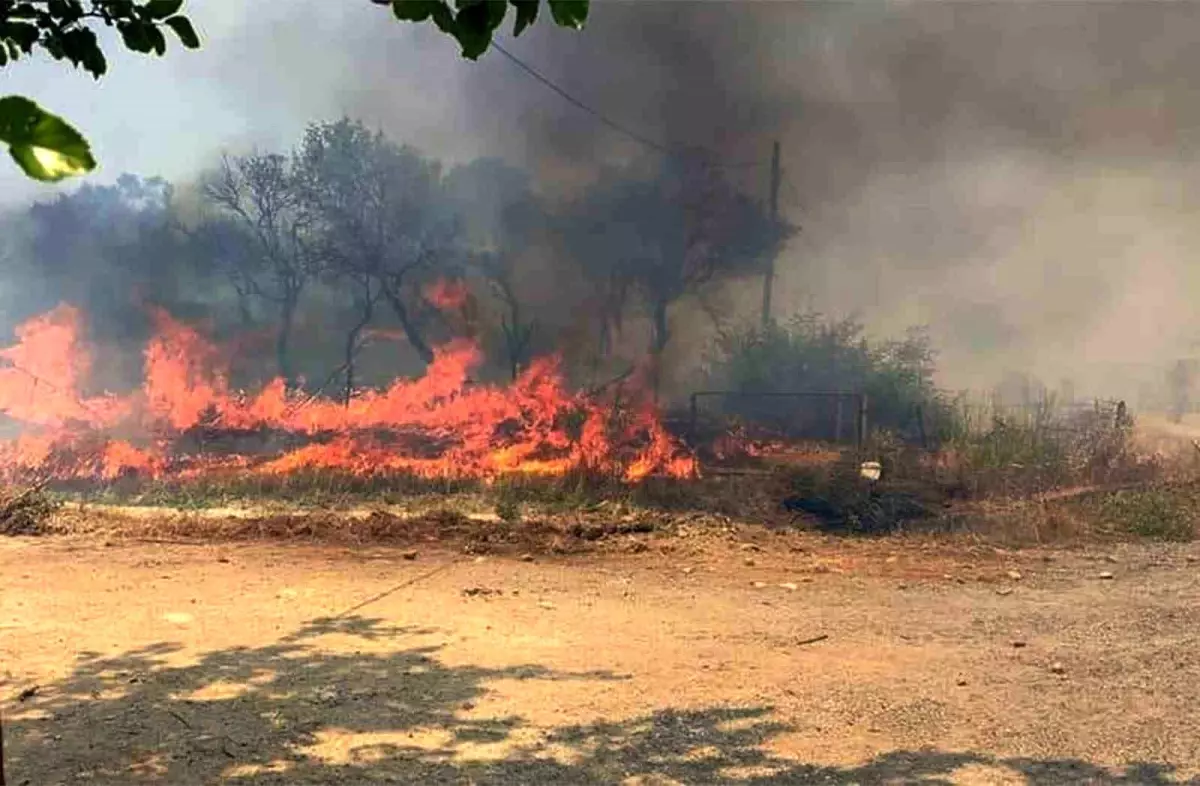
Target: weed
{"points": [[1159, 513]]}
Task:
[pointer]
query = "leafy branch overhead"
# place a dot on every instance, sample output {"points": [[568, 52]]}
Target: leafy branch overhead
{"points": [[44, 145], [473, 22], [48, 148]]}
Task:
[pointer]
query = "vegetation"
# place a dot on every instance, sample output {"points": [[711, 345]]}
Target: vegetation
{"points": [[812, 354]]}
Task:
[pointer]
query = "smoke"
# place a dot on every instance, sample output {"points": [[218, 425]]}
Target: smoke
{"points": [[1018, 176]]}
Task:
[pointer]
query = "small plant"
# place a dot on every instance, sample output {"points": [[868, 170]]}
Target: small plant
{"points": [[508, 509], [26, 512], [1162, 514]]}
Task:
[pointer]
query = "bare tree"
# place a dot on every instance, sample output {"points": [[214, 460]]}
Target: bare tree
{"points": [[258, 193], [502, 219], [382, 219]]}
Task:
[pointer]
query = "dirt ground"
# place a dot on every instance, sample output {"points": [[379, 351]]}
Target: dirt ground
{"points": [[756, 659]]}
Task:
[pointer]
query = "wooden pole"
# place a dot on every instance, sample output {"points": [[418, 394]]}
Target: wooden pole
{"points": [[769, 274]]}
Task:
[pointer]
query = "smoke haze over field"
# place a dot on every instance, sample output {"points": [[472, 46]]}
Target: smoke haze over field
{"points": [[1020, 177]]}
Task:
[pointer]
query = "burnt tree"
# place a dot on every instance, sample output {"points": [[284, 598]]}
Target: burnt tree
{"points": [[258, 195]]}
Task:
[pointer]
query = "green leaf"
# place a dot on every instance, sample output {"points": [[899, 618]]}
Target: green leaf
{"points": [[134, 35], [527, 11], [416, 10], [24, 33], [162, 9], [82, 48], [157, 40], [184, 31], [42, 144], [475, 23], [569, 13]]}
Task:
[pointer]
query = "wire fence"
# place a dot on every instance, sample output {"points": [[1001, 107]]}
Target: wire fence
{"points": [[832, 416]]}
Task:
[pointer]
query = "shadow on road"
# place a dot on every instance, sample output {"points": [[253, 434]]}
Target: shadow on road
{"points": [[255, 716]]}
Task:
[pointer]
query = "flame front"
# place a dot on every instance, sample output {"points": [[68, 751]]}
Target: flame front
{"points": [[440, 425]]}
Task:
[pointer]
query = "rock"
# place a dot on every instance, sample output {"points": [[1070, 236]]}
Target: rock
{"points": [[960, 682], [787, 585], [1015, 575], [947, 576], [750, 547], [748, 562], [409, 555], [757, 584], [545, 604], [1057, 668], [1018, 644], [892, 559], [1004, 591], [1112, 558], [1192, 558], [1107, 575], [526, 558], [688, 571]]}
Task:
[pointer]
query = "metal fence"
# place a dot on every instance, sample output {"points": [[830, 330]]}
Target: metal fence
{"points": [[834, 416]]}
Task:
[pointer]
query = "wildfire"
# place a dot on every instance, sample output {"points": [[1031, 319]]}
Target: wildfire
{"points": [[440, 425]]}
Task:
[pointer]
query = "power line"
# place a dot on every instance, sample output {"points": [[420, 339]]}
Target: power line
{"points": [[667, 150]]}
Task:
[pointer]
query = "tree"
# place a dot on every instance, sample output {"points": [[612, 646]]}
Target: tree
{"points": [[664, 236], [102, 245], [270, 255], [382, 220], [48, 148], [475, 21], [501, 218]]}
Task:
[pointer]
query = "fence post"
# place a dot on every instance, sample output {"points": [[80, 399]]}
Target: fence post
{"points": [[861, 430], [838, 416], [692, 420]]}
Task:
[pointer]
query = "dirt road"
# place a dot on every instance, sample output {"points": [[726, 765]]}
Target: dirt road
{"points": [[877, 662]]}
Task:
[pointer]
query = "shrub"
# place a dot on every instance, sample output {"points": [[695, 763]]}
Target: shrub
{"points": [[811, 353]]}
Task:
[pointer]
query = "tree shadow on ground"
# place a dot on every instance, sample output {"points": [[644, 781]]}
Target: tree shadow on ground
{"points": [[261, 716]]}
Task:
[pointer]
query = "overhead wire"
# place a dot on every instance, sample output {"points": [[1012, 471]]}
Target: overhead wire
{"points": [[710, 157]]}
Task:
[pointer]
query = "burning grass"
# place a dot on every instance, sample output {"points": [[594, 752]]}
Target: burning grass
{"points": [[185, 421], [532, 455]]}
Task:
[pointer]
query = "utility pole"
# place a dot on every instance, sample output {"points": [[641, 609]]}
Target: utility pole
{"points": [[769, 273]]}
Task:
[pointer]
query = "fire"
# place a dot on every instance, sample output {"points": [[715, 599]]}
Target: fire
{"points": [[446, 294], [440, 425]]}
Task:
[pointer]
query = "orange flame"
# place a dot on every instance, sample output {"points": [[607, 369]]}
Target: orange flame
{"points": [[447, 294], [440, 425]]}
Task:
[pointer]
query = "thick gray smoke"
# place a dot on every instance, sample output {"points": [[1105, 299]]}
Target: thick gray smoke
{"points": [[1018, 176]]}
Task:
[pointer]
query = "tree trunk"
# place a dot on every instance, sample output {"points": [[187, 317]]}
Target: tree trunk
{"points": [[411, 332], [661, 334], [283, 340], [352, 337]]}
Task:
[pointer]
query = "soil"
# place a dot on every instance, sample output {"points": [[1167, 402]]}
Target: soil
{"points": [[695, 657]]}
